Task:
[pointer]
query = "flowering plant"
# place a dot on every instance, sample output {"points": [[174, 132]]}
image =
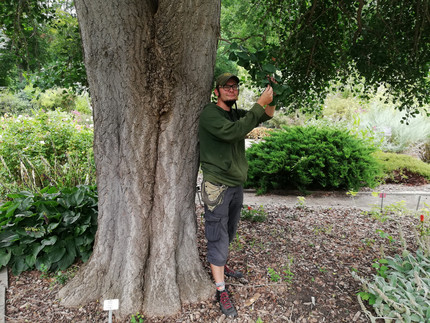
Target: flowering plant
{"points": [[254, 214], [423, 229]]}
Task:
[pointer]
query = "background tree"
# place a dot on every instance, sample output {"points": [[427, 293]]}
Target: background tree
{"points": [[21, 23], [40, 45], [150, 70]]}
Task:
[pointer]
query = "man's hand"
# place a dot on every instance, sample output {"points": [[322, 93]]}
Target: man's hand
{"points": [[266, 97], [270, 110]]}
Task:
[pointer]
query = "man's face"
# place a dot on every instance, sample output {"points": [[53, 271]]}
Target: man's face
{"points": [[228, 95]]}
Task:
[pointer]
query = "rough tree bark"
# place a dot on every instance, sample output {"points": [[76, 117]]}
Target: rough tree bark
{"points": [[149, 66]]}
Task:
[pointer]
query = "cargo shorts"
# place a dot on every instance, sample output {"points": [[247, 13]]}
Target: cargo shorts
{"points": [[223, 207]]}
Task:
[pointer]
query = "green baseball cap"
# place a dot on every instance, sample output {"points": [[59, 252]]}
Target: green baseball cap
{"points": [[223, 78]]}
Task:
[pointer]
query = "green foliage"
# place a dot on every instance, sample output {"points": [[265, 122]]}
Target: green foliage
{"points": [[342, 106], [400, 163], [253, 214], [285, 275], [23, 23], [380, 267], [311, 157], [48, 230], [47, 149], [40, 44], [27, 100], [324, 41], [138, 318], [273, 275], [65, 67], [399, 291], [18, 103]]}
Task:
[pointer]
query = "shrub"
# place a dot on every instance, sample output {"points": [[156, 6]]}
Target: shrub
{"points": [[396, 136], [341, 106], [49, 230], [30, 98], [46, 149], [311, 157], [18, 103], [398, 164], [424, 152]]}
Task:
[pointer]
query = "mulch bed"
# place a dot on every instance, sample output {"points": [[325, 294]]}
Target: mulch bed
{"points": [[297, 266]]}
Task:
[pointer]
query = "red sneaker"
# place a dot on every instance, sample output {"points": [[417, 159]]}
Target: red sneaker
{"points": [[225, 303]]}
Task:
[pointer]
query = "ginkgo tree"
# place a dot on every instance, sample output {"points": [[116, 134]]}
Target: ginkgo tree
{"points": [[309, 45]]}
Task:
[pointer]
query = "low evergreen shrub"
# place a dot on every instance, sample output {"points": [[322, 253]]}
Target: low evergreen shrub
{"points": [[395, 163], [311, 157], [49, 230]]}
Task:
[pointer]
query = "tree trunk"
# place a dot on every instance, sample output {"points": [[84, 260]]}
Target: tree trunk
{"points": [[150, 70]]}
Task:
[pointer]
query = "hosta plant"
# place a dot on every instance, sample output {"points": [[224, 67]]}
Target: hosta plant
{"points": [[50, 229]]}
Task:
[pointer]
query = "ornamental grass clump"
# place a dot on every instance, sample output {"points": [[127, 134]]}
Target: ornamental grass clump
{"points": [[49, 230], [312, 157], [45, 149]]}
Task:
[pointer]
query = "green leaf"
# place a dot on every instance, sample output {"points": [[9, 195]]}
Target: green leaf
{"points": [[364, 296], [19, 266], [18, 250], [10, 211], [5, 256], [36, 232], [49, 241], [52, 226], [78, 197], [269, 68], [69, 257], [234, 46], [7, 238], [71, 217], [43, 260], [416, 318], [232, 56], [56, 254], [244, 56]]}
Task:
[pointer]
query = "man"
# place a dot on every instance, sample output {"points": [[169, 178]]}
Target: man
{"points": [[222, 132]]}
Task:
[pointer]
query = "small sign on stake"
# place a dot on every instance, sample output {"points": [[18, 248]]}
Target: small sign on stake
{"points": [[110, 305], [382, 196]]}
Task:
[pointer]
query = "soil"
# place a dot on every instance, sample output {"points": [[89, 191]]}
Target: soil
{"points": [[297, 266]]}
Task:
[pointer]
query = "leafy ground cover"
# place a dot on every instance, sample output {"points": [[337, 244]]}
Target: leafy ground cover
{"points": [[297, 265]]}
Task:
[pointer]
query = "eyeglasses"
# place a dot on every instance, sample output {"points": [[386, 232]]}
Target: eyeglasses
{"points": [[233, 87]]}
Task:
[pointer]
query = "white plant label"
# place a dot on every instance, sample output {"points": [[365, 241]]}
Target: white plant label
{"points": [[110, 304]]}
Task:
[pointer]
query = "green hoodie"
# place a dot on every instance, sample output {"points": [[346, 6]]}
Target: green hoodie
{"points": [[222, 142]]}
